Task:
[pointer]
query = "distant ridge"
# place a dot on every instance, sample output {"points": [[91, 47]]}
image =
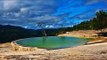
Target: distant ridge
{"points": [[10, 33]]}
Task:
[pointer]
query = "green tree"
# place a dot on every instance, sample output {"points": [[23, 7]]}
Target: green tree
{"points": [[98, 22]]}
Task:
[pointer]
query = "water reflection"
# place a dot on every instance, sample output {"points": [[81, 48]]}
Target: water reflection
{"points": [[53, 42], [44, 40]]}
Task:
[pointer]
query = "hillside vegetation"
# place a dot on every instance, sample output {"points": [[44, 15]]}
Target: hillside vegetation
{"points": [[98, 22], [10, 33]]}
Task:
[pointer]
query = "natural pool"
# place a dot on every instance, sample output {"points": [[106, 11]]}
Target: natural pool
{"points": [[52, 42]]}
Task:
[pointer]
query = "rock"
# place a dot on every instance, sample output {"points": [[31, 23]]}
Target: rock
{"points": [[17, 47]]}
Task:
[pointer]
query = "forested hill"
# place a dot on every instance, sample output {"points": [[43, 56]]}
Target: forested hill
{"points": [[98, 22], [9, 33]]}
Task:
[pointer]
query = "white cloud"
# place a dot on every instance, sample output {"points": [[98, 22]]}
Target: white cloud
{"points": [[8, 4], [23, 11], [28, 12], [91, 2], [47, 17]]}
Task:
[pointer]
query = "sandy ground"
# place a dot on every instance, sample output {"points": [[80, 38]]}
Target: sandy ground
{"points": [[82, 33], [84, 52], [96, 51]]}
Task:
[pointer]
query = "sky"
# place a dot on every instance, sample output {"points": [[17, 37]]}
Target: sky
{"points": [[49, 13]]}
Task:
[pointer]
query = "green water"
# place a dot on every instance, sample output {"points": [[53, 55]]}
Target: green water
{"points": [[52, 42]]}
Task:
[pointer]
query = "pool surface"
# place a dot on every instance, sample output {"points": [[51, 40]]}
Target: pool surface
{"points": [[52, 42]]}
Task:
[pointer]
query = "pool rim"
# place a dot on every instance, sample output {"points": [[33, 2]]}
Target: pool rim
{"points": [[19, 47]]}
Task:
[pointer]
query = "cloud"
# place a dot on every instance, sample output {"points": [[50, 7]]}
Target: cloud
{"points": [[8, 4], [80, 10], [88, 2], [28, 10], [54, 12]]}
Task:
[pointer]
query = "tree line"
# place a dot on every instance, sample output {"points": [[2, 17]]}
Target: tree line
{"points": [[98, 22]]}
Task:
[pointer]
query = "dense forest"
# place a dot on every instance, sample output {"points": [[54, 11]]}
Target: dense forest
{"points": [[9, 33], [98, 22]]}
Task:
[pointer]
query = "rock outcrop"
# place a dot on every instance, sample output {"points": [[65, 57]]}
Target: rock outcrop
{"points": [[17, 47]]}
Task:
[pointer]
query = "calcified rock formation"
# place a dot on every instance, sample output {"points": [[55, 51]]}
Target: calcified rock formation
{"points": [[82, 33], [84, 52], [17, 47]]}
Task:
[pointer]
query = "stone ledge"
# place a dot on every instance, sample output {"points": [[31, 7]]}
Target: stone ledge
{"points": [[17, 47]]}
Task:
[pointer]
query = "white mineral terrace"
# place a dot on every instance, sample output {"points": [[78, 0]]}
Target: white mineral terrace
{"points": [[18, 47], [97, 51]]}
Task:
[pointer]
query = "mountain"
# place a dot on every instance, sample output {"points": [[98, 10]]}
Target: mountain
{"points": [[10, 33]]}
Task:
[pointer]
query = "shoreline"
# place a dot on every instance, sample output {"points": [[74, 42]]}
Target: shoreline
{"points": [[91, 34], [91, 51], [87, 52]]}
